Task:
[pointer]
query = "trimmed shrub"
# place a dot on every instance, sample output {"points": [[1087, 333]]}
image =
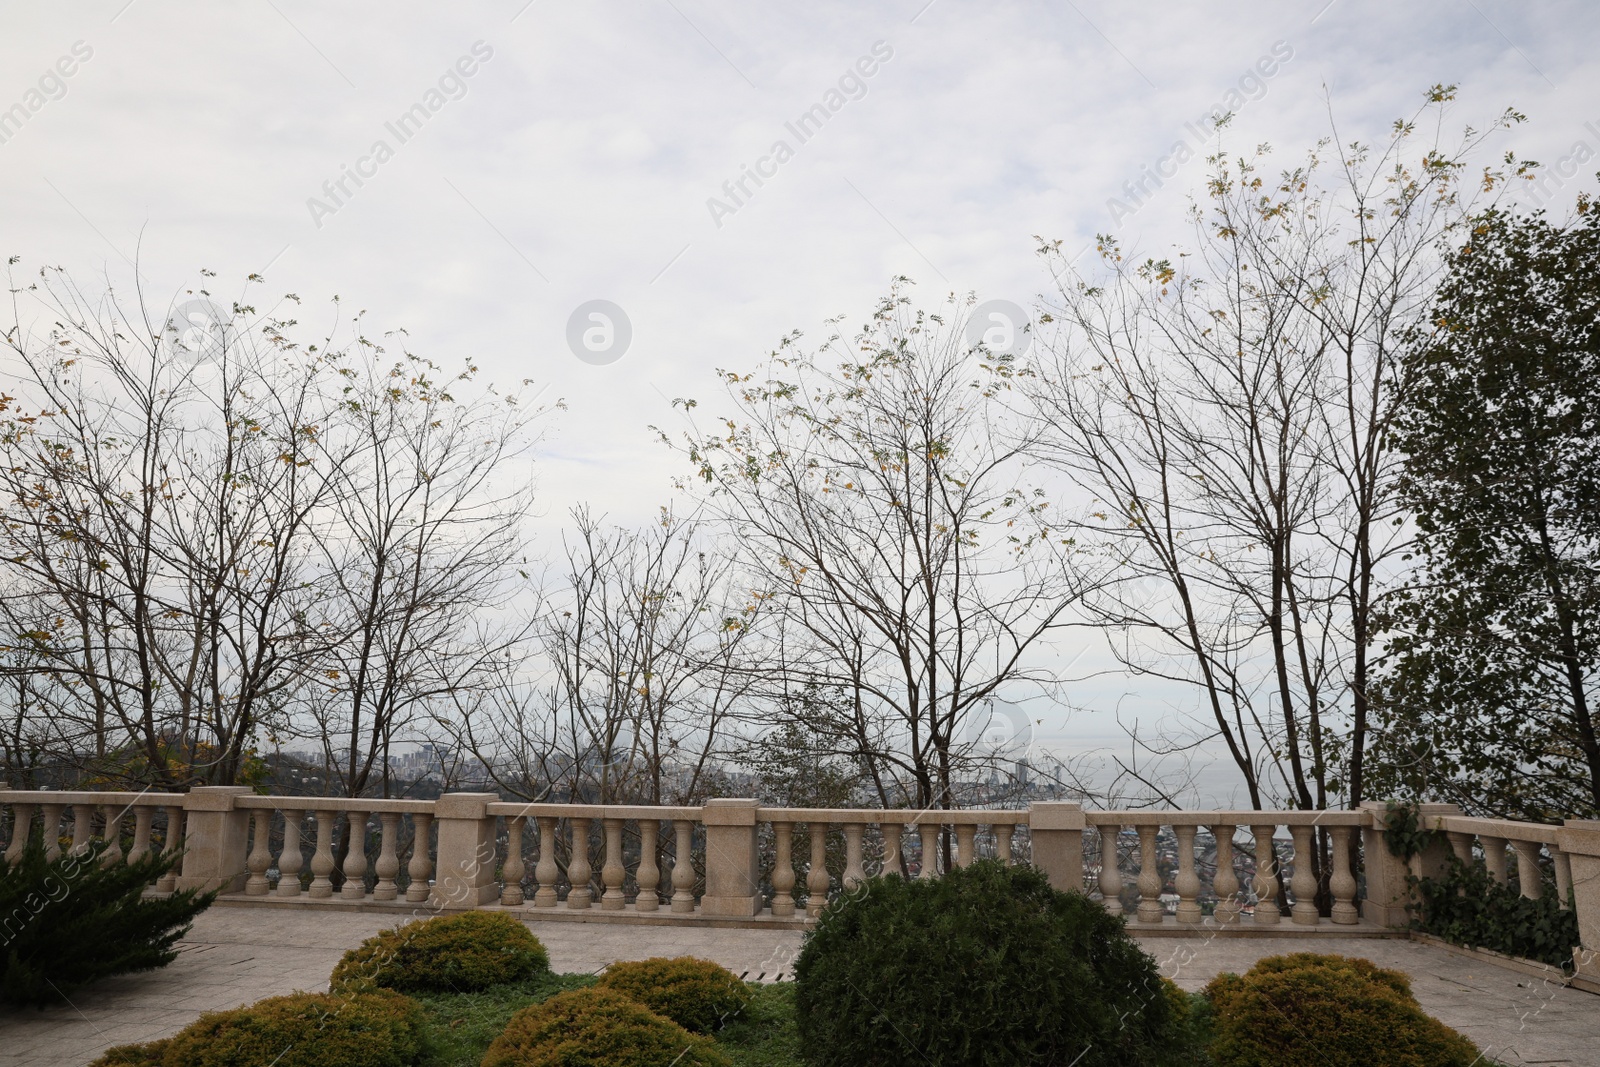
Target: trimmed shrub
{"points": [[448, 954], [372, 1029], [68, 923], [1308, 1010], [696, 994], [986, 965], [598, 1028]]}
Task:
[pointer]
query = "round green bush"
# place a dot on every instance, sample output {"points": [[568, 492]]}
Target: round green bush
{"points": [[450, 954], [1307, 1010], [367, 1029], [598, 1028], [986, 965], [698, 995]]}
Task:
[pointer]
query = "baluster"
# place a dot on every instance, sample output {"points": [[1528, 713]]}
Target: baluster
{"points": [[1304, 880], [512, 873], [21, 830], [1494, 857], [388, 864], [112, 818], [853, 871], [1461, 845], [1150, 909], [1110, 870], [171, 846], [52, 832], [322, 858], [1529, 878], [966, 843], [355, 857], [1226, 882], [82, 829], [260, 854], [420, 869], [1002, 841], [783, 870], [929, 833], [683, 867], [817, 878], [291, 859], [548, 872], [612, 873], [142, 818], [1343, 882], [1266, 882], [579, 892], [1187, 882], [891, 832], [1563, 867], [649, 873]]}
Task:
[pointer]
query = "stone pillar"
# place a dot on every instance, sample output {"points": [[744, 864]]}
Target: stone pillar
{"points": [[733, 886], [1388, 891], [1579, 841], [216, 839], [465, 855], [1056, 827]]}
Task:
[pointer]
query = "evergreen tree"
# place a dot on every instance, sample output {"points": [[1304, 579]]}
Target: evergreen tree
{"points": [[1494, 650]]}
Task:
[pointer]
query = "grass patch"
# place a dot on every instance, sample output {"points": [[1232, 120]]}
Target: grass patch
{"points": [[764, 1035], [461, 1025]]}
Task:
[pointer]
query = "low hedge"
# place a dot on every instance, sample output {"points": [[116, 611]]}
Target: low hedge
{"points": [[1309, 1010], [598, 1028], [451, 953], [367, 1029], [698, 995]]}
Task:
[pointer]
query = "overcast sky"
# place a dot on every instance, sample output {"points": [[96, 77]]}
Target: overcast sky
{"points": [[563, 153]]}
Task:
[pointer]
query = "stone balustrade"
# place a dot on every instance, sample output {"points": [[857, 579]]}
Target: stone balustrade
{"points": [[734, 861]]}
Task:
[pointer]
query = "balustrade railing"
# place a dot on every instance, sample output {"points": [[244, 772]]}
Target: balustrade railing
{"points": [[736, 860]]}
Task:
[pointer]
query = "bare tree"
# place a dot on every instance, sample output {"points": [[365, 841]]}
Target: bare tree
{"points": [[426, 534], [159, 508], [1229, 410], [876, 488]]}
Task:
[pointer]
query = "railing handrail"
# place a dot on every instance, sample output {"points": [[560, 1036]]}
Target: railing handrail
{"points": [[88, 796], [547, 810], [902, 816], [356, 804], [1543, 833], [1286, 817]]}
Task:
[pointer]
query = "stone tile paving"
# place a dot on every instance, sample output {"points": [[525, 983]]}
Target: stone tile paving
{"points": [[237, 955]]}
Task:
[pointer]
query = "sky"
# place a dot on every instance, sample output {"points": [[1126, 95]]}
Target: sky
{"points": [[516, 162]]}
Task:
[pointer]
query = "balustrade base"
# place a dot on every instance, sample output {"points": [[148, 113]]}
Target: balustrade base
{"points": [[560, 913], [1244, 927]]}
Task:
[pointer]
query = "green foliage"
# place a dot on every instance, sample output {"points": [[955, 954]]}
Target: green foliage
{"points": [[345, 1029], [68, 923], [1468, 907], [1493, 657], [698, 995], [1402, 830], [1306, 1010], [598, 1028], [987, 966], [451, 953]]}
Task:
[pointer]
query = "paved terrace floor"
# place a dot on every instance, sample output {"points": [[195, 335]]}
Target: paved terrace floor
{"points": [[234, 956]]}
